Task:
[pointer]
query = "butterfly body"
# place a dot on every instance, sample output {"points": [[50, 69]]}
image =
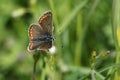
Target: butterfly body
{"points": [[41, 35]]}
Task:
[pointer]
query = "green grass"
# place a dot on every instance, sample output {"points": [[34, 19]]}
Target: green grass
{"points": [[116, 33]]}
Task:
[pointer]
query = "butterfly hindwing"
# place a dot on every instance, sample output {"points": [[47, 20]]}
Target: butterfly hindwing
{"points": [[45, 46], [32, 46]]}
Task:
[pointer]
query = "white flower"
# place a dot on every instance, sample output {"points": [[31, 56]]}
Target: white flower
{"points": [[52, 50]]}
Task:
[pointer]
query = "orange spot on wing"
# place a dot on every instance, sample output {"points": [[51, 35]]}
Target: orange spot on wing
{"points": [[31, 46], [45, 16], [31, 34]]}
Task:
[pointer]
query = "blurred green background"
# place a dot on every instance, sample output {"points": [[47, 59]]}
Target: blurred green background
{"points": [[80, 26]]}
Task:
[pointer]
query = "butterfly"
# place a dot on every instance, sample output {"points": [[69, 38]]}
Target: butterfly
{"points": [[41, 35]]}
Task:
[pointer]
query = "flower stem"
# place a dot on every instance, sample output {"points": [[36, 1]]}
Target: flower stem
{"points": [[35, 58]]}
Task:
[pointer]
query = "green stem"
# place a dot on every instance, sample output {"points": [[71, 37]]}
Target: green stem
{"points": [[34, 70], [78, 53], [36, 57], [43, 70], [116, 33]]}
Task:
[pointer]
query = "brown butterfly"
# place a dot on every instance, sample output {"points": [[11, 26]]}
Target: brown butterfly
{"points": [[41, 35]]}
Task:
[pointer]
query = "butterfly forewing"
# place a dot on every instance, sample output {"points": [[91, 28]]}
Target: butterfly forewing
{"points": [[46, 22], [35, 31]]}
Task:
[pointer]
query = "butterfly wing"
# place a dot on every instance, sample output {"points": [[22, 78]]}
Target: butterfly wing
{"points": [[32, 46], [34, 32], [45, 46], [46, 22]]}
